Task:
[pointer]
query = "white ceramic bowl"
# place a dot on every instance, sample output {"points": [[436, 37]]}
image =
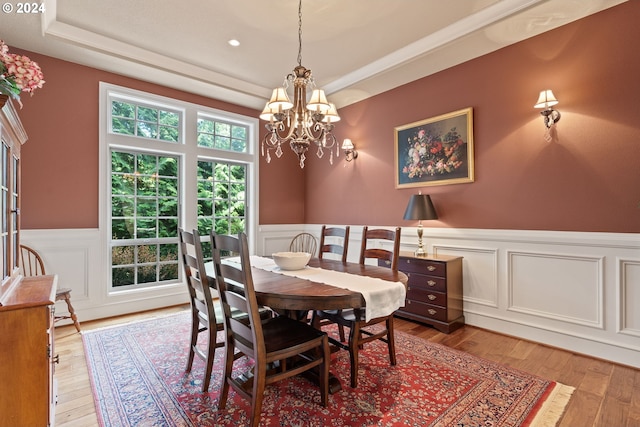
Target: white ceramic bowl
{"points": [[291, 260]]}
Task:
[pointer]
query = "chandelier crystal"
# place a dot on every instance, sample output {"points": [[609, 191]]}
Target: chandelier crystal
{"points": [[299, 123]]}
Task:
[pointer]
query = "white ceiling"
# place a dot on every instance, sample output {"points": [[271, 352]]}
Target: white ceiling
{"points": [[356, 48]]}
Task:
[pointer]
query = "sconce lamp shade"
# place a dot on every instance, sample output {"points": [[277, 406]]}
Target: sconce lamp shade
{"points": [[349, 149], [546, 99], [420, 207], [347, 144]]}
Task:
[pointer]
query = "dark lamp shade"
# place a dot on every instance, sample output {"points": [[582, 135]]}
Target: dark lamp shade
{"points": [[420, 207]]}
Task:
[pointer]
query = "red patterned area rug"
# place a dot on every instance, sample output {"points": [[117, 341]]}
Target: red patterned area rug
{"points": [[137, 372]]}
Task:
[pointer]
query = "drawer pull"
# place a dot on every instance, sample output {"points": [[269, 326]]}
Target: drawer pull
{"points": [[431, 268], [431, 311], [431, 297], [431, 282]]}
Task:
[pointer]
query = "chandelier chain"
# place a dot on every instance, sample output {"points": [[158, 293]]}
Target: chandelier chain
{"points": [[300, 32]]}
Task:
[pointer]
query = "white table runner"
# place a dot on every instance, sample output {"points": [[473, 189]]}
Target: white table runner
{"points": [[382, 297]]}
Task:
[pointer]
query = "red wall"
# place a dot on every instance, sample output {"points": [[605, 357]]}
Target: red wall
{"points": [[588, 179]]}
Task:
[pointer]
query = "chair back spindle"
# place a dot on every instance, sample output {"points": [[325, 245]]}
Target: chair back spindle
{"points": [[304, 242], [31, 262]]}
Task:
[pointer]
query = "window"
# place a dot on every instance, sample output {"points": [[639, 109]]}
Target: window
{"points": [[221, 197], [171, 164], [129, 118], [224, 136], [144, 208]]}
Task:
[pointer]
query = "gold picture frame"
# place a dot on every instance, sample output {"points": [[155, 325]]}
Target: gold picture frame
{"points": [[435, 151]]}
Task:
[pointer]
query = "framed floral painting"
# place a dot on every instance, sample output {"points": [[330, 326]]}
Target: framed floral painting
{"points": [[435, 151]]}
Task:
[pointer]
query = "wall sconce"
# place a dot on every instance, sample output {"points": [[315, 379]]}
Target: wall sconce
{"points": [[546, 100], [349, 150]]}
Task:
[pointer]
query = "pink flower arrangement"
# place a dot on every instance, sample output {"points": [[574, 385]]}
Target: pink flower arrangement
{"points": [[18, 74]]}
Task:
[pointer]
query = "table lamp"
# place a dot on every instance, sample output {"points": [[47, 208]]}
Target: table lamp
{"points": [[421, 208]]}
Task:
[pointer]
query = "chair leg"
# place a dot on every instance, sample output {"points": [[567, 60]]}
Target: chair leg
{"points": [[354, 345], [391, 341], [317, 318], [211, 355], [226, 377], [195, 326], [72, 312], [257, 396]]}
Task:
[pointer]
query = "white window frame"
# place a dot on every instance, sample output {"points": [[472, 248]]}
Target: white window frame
{"points": [[188, 152]]}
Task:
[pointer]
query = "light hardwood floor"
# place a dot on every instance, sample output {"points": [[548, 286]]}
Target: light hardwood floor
{"points": [[606, 395]]}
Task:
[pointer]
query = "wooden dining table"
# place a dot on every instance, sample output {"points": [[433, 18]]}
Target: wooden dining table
{"points": [[282, 292], [295, 297]]}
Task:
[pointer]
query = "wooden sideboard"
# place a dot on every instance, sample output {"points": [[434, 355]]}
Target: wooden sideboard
{"points": [[434, 290], [27, 384]]}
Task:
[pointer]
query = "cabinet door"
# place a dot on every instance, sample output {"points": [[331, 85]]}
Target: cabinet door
{"points": [[25, 370], [12, 136]]}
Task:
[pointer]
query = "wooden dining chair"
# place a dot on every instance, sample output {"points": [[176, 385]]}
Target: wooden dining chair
{"points": [[206, 310], [206, 314], [304, 242], [330, 239], [32, 265], [269, 343], [328, 243], [354, 319]]}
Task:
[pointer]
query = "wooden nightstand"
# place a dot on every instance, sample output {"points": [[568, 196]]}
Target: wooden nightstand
{"points": [[434, 290]]}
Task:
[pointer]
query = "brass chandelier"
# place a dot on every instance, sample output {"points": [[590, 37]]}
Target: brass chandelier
{"points": [[299, 123]]}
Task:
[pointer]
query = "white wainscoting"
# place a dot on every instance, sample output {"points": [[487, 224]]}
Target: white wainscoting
{"points": [[78, 258], [577, 291]]}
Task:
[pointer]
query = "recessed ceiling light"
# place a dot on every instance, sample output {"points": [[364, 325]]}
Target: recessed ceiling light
{"points": [[234, 42]]}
